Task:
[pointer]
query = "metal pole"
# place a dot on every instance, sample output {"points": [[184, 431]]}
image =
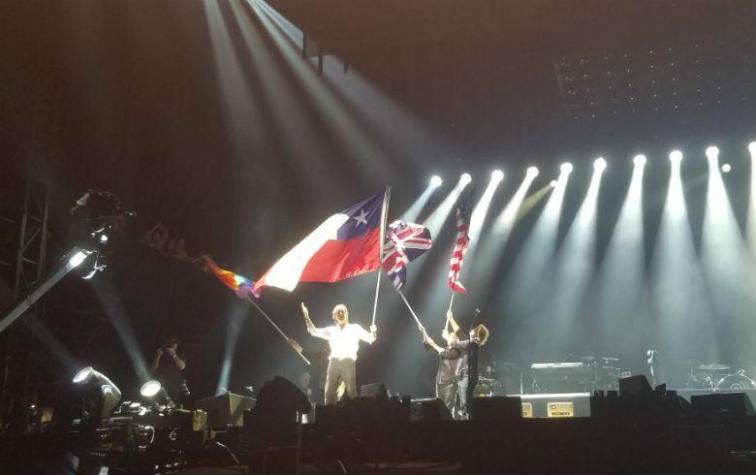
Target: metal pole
{"points": [[384, 216], [296, 348]]}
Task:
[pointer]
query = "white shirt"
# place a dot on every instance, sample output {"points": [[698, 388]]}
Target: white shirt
{"points": [[345, 341]]}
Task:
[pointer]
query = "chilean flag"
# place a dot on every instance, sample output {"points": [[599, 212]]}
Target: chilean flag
{"points": [[347, 244]]}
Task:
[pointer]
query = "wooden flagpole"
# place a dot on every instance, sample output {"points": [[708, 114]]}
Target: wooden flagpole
{"points": [[451, 301], [384, 217], [289, 341], [401, 294]]}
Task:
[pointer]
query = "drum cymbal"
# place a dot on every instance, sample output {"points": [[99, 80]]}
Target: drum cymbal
{"points": [[713, 367]]}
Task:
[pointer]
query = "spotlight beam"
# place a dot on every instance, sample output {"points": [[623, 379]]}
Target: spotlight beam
{"points": [[68, 263], [495, 241], [677, 287], [233, 330], [412, 213], [574, 266], [436, 220], [529, 266], [724, 258], [620, 283], [751, 226]]}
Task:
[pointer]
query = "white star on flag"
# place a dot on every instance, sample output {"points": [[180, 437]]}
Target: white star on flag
{"points": [[361, 217]]}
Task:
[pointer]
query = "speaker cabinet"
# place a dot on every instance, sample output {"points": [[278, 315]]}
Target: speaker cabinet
{"points": [[723, 404], [225, 410], [496, 409]]}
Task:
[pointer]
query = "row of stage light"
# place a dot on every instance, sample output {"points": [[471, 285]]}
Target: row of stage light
{"points": [[599, 164]]}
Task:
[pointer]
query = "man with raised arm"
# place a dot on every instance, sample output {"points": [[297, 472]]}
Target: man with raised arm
{"points": [[344, 341]]}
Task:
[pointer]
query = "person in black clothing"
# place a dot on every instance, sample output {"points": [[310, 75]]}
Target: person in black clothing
{"points": [[168, 367], [478, 337], [457, 372]]}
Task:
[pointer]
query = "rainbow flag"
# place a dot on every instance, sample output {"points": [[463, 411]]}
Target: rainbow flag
{"points": [[239, 284]]}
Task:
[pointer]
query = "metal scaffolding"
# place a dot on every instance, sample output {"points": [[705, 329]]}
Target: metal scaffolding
{"points": [[29, 266]]}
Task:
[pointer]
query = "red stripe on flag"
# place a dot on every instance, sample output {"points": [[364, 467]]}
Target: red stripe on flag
{"points": [[338, 260]]}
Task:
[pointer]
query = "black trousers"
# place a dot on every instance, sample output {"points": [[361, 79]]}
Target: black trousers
{"points": [[340, 370]]}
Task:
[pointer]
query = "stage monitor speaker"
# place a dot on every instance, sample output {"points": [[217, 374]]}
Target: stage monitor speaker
{"points": [[429, 409], [281, 397], [634, 386], [496, 409], [730, 404], [225, 410]]}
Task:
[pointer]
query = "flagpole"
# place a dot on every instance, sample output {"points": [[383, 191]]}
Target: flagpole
{"points": [[384, 216], [296, 348], [451, 301], [401, 294]]}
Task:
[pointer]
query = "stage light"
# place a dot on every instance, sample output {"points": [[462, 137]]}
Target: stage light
{"points": [[553, 183], [150, 389], [599, 164], [639, 160], [566, 167], [675, 157], [712, 152], [77, 258], [154, 392], [99, 394], [103, 239], [497, 175], [532, 172], [83, 375], [436, 181], [465, 178], [752, 148], [726, 168]]}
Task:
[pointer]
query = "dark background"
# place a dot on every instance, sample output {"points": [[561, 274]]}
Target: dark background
{"points": [[242, 150]]}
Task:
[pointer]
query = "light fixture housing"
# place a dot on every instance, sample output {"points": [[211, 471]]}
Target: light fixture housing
{"points": [[98, 392], [712, 152]]}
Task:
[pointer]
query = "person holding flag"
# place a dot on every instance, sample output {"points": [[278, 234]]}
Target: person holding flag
{"points": [[457, 373], [344, 339]]}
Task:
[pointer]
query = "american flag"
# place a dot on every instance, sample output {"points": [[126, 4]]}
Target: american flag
{"points": [[464, 210], [405, 242]]}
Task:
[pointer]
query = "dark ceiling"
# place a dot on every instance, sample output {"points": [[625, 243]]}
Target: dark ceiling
{"points": [[125, 96]]}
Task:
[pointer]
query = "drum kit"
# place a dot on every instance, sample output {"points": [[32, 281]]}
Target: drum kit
{"points": [[590, 373], [717, 377]]}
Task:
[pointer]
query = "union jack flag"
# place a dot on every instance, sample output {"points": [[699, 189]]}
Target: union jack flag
{"points": [[464, 210], [405, 242]]}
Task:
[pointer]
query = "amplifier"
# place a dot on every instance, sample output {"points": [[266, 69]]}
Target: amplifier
{"points": [[225, 410], [560, 409], [527, 409]]}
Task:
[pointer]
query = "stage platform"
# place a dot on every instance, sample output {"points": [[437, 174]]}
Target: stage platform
{"points": [[658, 433], [578, 404]]}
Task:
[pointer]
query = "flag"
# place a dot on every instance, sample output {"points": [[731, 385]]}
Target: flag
{"points": [[345, 245], [462, 241], [239, 284], [405, 242]]}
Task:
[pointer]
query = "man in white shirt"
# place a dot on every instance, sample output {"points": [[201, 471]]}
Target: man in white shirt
{"points": [[344, 341]]}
